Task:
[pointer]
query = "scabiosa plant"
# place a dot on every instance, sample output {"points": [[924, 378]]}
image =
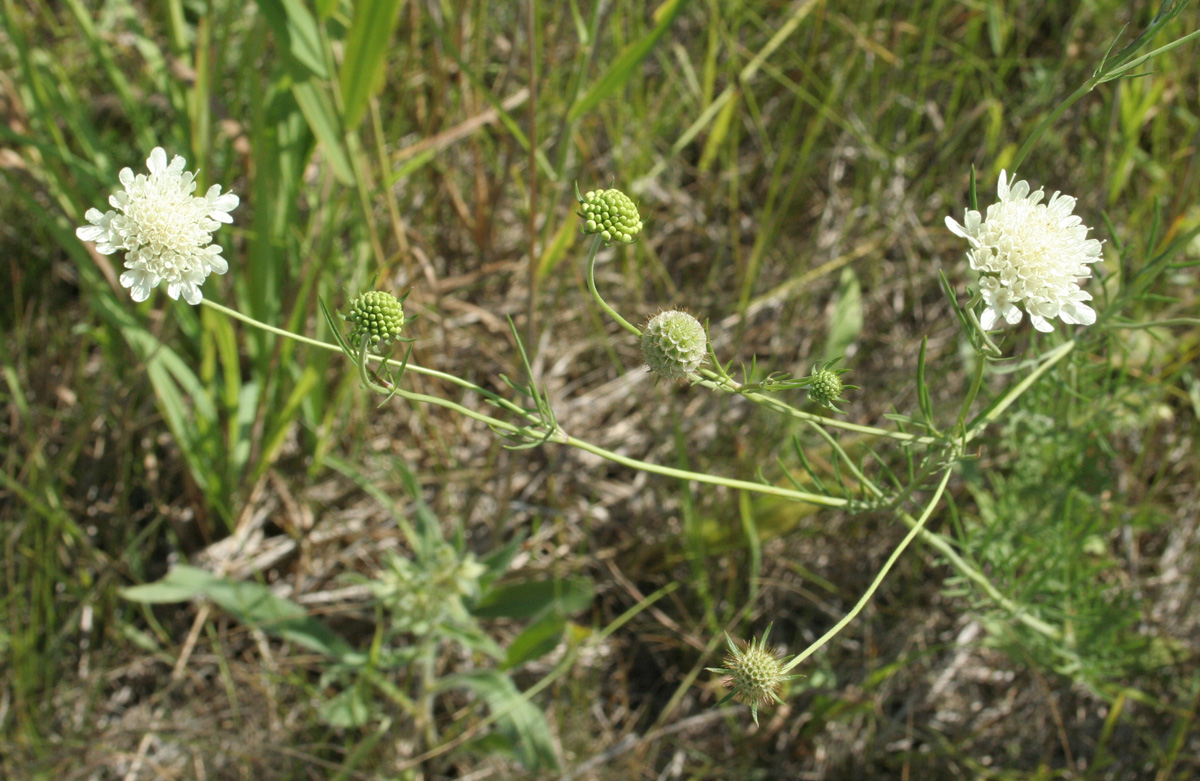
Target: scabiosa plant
{"points": [[825, 385], [1031, 254], [609, 214], [674, 344], [428, 591], [377, 317], [164, 230], [755, 672]]}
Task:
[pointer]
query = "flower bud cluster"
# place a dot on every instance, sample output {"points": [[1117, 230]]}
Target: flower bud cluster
{"points": [[611, 215], [378, 317], [428, 591]]}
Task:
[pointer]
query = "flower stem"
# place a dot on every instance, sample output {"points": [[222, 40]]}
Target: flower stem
{"points": [[558, 437], [997, 407], [591, 283], [883, 571], [717, 382]]}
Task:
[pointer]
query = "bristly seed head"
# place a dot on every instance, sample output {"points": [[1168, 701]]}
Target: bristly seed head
{"points": [[756, 672], [378, 317], [611, 215], [674, 344]]}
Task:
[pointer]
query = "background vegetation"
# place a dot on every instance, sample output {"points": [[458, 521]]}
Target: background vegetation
{"points": [[793, 162]]}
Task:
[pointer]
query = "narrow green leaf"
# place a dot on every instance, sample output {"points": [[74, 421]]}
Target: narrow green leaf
{"points": [[281, 422], [366, 52], [321, 116], [720, 130], [251, 603], [564, 239], [623, 66]]}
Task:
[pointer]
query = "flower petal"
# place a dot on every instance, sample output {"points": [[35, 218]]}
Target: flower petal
{"points": [[157, 162]]}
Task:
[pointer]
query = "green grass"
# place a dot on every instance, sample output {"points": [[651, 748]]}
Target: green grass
{"points": [[793, 163]]}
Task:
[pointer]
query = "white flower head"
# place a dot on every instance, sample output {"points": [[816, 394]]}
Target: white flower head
{"points": [[164, 230], [1030, 254]]}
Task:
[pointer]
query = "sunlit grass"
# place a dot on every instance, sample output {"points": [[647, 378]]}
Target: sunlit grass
{"points": [[792, 164]]}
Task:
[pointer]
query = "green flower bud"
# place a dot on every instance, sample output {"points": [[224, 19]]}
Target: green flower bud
{"points": [[610, 214], [376, 316], [826, 387], [674, 344]]}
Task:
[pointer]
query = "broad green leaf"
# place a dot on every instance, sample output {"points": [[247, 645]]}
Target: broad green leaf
{"points": [[366, 52], [521, 722], [531, 598], [846, 321], [498, 560], [345, 710], [537, 640], [179, 585], [623, 66], [297, 31], [252, 604]]}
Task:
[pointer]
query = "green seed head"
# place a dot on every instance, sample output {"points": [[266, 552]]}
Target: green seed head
{"points": [[610, 214], [826, 387], [376, 316], [755, 672], [674, 344]]}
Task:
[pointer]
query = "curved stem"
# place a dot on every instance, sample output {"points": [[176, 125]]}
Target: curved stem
{"points": [[434, 373], [591, 283], [883, 571], [717, 382], [558, 437]]}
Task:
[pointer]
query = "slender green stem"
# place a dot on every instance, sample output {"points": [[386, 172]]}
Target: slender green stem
{"points": [[428, 672], [972, 573], [558, 437], [715, 381], [700, 477], [434, 373], [591, 283], [883, 571], [996, 408], [1050, 119]]}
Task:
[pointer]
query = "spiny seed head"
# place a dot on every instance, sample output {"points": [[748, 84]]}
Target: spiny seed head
{"points": [[826, 387], [378, 317], [755, 672], [674, 344], [610, 214]]}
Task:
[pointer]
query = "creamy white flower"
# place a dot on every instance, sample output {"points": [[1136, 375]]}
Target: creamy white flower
{"points": [[1031, 254], [164, 230]]}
